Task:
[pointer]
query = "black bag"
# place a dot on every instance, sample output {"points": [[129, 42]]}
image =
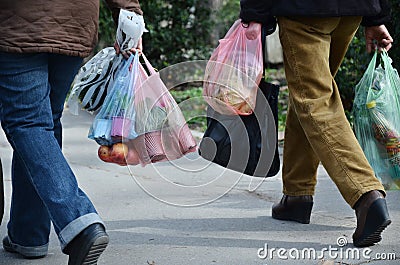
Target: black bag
{"points": [[247, 144]]}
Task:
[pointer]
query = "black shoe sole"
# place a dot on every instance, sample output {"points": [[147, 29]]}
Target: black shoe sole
{"points": [[93, 253], [300, 214], [377, 220]]}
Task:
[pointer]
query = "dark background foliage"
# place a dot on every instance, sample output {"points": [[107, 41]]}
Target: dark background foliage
{"points": [[179, 30], [184, 30]]}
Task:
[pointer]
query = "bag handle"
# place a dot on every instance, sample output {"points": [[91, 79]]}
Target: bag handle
{"points": [[370, 69], [148, 65], [391, 74]]}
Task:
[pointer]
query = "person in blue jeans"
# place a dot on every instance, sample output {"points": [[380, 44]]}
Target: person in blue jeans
{"points": [[42, 46]]}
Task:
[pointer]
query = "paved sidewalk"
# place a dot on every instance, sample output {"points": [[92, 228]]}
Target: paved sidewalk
{"points": [[229, 226]]}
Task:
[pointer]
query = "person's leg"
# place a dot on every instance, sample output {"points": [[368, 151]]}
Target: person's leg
{"points": [[299, 173], [314, 49], [86, 246], [316, 100], [28, 124], [29, 224], [62, 70], [296, 143], [300, 163], [30, 235]]}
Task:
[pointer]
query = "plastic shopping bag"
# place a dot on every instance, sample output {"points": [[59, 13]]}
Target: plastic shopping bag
{"points": [[109, 124], [163, 134], [377, 119], [233, 73], [93, 81], [140, 122], [130, 28]]}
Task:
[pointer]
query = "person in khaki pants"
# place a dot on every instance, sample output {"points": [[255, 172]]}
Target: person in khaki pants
{"points": [[315, 36]]}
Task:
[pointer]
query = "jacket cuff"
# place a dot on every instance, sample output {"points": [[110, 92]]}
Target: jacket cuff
{"points": [[374, 21], [253, 16], [382, 18]]}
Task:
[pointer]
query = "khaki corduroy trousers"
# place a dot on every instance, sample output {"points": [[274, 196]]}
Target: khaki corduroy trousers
{"points": [[317, 129]]}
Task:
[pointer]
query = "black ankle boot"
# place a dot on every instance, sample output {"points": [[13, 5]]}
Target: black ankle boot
{"points": [[293, 208], [372, 218]]}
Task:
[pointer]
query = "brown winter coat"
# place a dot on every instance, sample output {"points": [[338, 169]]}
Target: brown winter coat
{"points": [[57, 26]]}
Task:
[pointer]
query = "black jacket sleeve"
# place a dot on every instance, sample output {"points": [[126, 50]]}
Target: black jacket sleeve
{"points": [[255, 10], [380, 19]]}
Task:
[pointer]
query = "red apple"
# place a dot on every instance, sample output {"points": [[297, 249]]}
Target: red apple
{"points": [[104, 153], [118, 153]]}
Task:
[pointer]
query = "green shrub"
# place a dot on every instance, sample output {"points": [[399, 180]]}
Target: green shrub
{"points": [[394, 29], [179, 31], [107, 27]]}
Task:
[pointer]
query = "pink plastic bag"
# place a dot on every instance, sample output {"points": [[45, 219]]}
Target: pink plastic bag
{"points": [[163, 134], [233, 73]]}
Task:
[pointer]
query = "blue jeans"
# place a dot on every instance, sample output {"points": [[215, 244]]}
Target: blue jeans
{"points": [[33, 88]]}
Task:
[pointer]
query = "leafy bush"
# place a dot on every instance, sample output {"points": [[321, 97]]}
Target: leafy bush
{"points": [[107, 27], [394, 29], [178, 31]]}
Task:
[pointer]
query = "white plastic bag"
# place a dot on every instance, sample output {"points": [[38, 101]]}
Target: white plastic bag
{"points": [[130, 28]]}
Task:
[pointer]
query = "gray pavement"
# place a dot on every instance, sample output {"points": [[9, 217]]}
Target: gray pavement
{"points": [[151, 218]]}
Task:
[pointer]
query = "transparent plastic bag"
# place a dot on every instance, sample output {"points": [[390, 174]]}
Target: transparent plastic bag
{"points": [[112, 119], [163, 134], [233, 73], [377, 119], [140, 122]]}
